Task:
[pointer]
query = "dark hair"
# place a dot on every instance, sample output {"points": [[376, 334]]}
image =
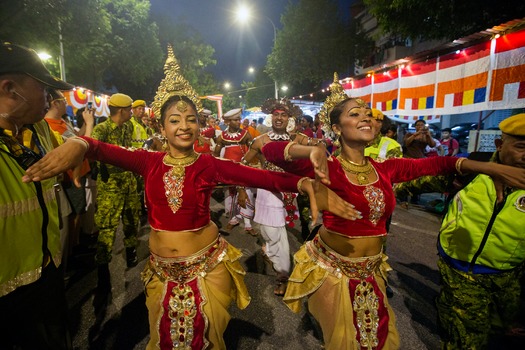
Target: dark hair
{"points": [[54, 93], [446, 130], [419, 121], [171, 101], [386, 125], [79, 118], [260, 120], [308, 118]]}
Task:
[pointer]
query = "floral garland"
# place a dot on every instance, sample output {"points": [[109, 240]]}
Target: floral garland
{"points": [[291, 208]]}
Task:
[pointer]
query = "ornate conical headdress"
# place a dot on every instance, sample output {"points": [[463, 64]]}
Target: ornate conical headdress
{"points": [[173, 84], [337, 94]]}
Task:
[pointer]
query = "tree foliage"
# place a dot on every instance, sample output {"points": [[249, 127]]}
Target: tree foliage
{"points": [[314, 42], [444, 19], [108, 44]]}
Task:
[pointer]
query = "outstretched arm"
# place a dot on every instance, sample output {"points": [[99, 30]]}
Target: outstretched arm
{"points": [[281, 153], [502, 175], [70, 155]]}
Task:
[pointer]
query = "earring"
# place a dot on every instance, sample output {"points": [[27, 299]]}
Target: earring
{"points": [[337, 143]]}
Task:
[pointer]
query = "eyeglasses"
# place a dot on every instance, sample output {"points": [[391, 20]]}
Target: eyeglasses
{"points": [[60, 99]]}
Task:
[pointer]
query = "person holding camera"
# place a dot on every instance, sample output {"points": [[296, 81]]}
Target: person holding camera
{"points": [[32, 297], [415, 143]]}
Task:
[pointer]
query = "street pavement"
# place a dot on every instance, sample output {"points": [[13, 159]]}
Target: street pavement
{"points": [[266, 323]]}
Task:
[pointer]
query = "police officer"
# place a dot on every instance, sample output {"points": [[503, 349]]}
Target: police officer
{"points": [[482, 252]]}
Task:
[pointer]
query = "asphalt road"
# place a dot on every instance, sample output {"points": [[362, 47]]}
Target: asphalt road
{"points": [[267, 323]]}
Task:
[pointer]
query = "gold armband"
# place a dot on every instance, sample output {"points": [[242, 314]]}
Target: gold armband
{"points": [[300, 183], [287, 156], [458, 165]]}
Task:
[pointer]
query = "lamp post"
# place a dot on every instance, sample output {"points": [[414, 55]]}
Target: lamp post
{"points": [[243, 13]]}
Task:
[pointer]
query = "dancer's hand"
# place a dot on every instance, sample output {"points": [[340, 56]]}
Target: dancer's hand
{"points": [[242, 198], [325, 199], [319, 158], [70, 155]]}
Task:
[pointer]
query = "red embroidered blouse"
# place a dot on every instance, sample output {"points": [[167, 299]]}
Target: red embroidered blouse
{"points": [[200, 179], [376, 200]]}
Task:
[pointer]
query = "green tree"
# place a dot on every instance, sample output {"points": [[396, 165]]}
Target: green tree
{"points": [[193, 54], [136, 53], [314, 42], [259, 90], [444, 19]]}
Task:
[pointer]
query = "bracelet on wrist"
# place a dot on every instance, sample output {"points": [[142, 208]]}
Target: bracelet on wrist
{"points": [[287, 156], [458, 165], [300, 184]]}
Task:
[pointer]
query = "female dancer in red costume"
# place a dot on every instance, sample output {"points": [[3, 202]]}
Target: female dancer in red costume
{"points": [[341, 270]]}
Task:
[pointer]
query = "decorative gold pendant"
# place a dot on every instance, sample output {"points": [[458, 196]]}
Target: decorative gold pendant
{"points": [[174, 179]]}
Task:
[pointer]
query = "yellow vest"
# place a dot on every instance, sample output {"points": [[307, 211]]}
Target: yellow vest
{"points": [[139, 134], [23, 221]]}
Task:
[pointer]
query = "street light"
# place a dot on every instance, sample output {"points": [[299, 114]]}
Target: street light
{"points": [[243, 14]]}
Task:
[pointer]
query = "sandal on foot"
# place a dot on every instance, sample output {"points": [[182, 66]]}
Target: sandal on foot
{"points": [[231, 225], [251, 232], [280, 289]]}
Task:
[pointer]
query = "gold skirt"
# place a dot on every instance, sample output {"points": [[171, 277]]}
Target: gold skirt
{"points": [[345, 295], [188, 297]]}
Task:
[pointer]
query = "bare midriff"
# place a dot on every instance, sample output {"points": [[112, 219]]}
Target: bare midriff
{"points": [[171, 244], [352, 247]]}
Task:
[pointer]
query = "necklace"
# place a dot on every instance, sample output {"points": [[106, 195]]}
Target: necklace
{"points": [[276, 137], [232, 135], [360, 170], [179, 163]]}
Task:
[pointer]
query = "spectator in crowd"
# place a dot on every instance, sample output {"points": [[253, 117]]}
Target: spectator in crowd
{"points": [[450, 145], [435, 151], [261, 127], [305, 125], [415, 143], [33, 310]]}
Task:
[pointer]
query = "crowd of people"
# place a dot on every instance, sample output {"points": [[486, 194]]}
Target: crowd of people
{"points": [[163, 169]]}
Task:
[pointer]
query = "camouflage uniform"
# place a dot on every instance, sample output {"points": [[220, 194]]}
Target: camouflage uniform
{"points": [[116, 194], [462, 305]]}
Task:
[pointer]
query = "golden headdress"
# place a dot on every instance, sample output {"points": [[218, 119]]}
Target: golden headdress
{"points": [[337, 94], [284, 104], [173, 84]]}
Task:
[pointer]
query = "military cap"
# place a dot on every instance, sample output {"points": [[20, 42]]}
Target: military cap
{"points": [[206, 112], [514, 125], [120, 100], [19, 59], [138, 103], [377, 114]]}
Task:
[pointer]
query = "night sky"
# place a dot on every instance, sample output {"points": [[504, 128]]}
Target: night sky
{"points": [[237, 47]]}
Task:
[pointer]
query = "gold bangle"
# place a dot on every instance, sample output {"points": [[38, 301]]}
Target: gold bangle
{"points": [[287, 156], [300, 183], [458, 165], [79, 139]]}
